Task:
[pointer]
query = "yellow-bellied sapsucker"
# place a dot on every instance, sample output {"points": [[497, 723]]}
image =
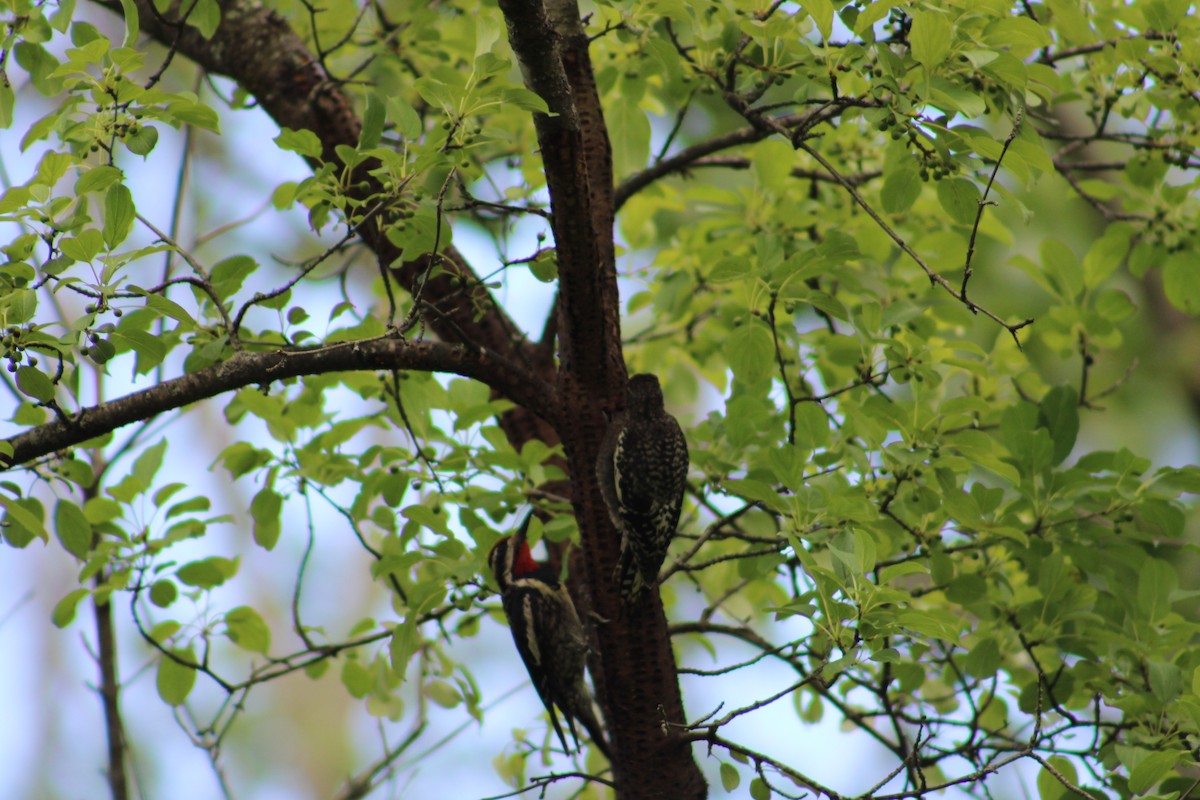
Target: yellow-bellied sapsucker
{"points": [[548, 635], [642, 469]]}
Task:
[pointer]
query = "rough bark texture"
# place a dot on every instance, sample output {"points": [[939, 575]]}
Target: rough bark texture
{"points": [[633, 666], [635, 676], [110, 696]]}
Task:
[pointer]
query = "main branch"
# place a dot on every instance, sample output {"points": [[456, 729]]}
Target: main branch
{"points": [[252, 369]]}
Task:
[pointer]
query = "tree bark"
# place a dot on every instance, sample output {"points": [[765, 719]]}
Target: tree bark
{"points": [[110, 695], [634, 668]]}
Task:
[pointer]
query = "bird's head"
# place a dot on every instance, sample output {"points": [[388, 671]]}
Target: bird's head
{"points": [[511, 558], [644, 393]]}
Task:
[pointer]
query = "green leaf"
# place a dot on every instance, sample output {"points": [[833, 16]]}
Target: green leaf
{"points": [[759, 790], [1164, 15], [205, 17], [405, 118], [871, 14], [730, 268], [188, 506], [1059, 413], [315, 669], [148, 463], [729, 776], [821, 12], [23, 520], [118, 214], [207, 573], [64, 610], [432, 518], [22, 305], [35, 383], [930, 37], [73, 529], [901, 188], [1181, 283], [812, 426], [524, 99], [753, 352], [630, 132], [150, 349], [984, 659], [1166, 681], [169, 308], [83, 246], [125, 490], [420, 233], [545, 266], [436, 93], [304, 142], [265, 509], [97, 179], [403, 645], [163, 593], [1146, 171], [1106, 254], [1156, 581], [129, 10], [142, 141], [951, 97], [444, 694], [248, 630], [1114, 305], [894, 571], [166, 492], [241, 457], [1062, 268], [99, 510], [8, 100], [40, 65], [1049, 786], [356, 679], [229, 274], [1152, 769], [165, 630], [173, 680], [373, 118], [75, 470], [1010, 71], [960, 198]]}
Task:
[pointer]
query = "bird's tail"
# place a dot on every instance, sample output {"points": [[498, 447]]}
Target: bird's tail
{"points": [[630, 582], [586, 714]]}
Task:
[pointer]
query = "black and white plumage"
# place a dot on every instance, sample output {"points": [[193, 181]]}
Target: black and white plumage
{"points": [[548, 634], [642, 469]]}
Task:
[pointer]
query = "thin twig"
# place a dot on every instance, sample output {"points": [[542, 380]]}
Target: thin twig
{"points": [[984, 203], [934, 277]]}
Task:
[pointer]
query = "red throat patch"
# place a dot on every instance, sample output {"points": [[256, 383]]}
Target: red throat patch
{"points": [[524, 563]]}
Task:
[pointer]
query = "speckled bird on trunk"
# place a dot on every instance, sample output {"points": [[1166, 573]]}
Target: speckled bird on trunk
{"points": [[642, 469]]}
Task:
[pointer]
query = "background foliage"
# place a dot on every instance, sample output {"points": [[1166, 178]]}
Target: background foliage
{"points": [[918, 277]]}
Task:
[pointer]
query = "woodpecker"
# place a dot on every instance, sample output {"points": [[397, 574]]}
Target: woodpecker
{"points": [[548, 635], [642, 468]]}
